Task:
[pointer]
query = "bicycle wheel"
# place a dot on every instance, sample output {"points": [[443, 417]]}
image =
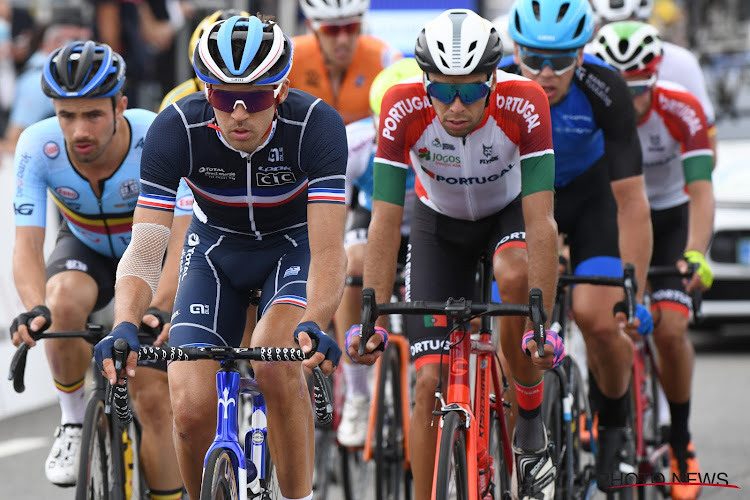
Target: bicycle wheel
{"points": [[502, 478], [95, 476], [654, 465], [355, 473], [392, 481], [270, 483], [552, 415], [324, 471], [452, 474], [219, 476]]}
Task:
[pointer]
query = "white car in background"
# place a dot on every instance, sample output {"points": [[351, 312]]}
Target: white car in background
{"points": [[728, 300]]}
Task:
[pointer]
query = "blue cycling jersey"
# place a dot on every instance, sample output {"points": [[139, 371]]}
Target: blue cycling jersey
{"points": [[102, 223], [303, 160], [594, 123]]}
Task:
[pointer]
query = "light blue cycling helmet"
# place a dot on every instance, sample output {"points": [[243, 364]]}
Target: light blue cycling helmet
{"points": [[83, 69], [551, 24], [243, 50]]}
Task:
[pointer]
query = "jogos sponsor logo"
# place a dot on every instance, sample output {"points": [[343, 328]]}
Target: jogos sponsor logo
{"points": [[440, 159]]}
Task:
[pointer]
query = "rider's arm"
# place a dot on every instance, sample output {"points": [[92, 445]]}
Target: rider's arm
{"points": [[701, 218], [622, 150], [541, 244], [28, 265]]}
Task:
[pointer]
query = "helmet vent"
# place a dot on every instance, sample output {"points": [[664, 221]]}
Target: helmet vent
{"points": [[445, 64], [441, 47], [472, 45], [469, 61], [562, 11], [518, 23], [622, 46], [648, 39], [579, 28], [537, 10]]}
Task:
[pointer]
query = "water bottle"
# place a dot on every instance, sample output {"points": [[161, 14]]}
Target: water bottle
{"points": [[253, 483]]}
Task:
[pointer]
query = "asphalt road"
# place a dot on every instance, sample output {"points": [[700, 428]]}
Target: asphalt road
{"points": [[721, 405]]}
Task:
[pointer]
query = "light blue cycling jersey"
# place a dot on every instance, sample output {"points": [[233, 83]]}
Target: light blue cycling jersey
{"points": [[42, 165], [30, 105]]}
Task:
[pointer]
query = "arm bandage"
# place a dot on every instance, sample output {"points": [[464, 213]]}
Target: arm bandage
{"points": [[145, 253]]}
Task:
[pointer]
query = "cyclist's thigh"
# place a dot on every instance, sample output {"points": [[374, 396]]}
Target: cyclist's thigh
{"points": [[217, 272], [441, 263], [670, 235], [71, 254]]}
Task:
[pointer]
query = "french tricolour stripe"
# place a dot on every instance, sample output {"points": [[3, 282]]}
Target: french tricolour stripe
{"points": [[294, 300], [156, 201], [325, 195]]}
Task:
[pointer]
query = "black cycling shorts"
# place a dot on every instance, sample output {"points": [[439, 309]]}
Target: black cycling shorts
{"points": [[442, 262], [586, 212], [70, 254], [670, 236]]}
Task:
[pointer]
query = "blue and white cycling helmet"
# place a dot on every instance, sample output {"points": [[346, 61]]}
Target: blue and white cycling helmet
{"points": [[243, 50], [551, 24], [83, 69]]}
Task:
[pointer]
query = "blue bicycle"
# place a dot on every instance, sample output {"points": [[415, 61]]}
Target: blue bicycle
{"points": [[229, 472]]}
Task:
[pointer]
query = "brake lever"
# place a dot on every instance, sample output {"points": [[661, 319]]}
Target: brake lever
{"points": [[367, 320], [538, 318], [18, 368]]}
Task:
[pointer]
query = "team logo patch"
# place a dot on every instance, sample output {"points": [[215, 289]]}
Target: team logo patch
{"points": [[76, 265], [67, 192], [52, 150], [129, 189], [292, 271]]}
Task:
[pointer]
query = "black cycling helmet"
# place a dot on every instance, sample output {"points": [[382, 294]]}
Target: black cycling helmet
{"points": [[83, 69]]}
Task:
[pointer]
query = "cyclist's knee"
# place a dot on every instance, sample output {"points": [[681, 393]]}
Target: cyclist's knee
{"points": [[511, 273], [671, 329], [597, 323], [272, 377], [151, 402], [355, 255]]}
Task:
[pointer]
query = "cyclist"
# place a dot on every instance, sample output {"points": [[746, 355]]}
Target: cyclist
{"points": [[480, 143], [194, 84], [336, 62], [598, 180], [362, 140], [677, 162], [88, 159], [678, 64], [266, 165]]}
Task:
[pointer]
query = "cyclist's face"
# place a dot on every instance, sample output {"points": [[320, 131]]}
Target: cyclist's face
{"points": [[457, 118], [641, 100], [337, 40], [88, 125], [243, 130], [555, 86]]}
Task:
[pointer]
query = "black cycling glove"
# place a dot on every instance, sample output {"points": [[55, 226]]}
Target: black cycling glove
{"points": [[26, 318]]}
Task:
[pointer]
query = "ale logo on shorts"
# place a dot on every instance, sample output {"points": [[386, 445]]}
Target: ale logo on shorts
{"points": [[193, 240]]}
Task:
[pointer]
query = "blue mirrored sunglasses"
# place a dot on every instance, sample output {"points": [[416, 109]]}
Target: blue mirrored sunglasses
{"points": [[535, 62], [468, 92]]}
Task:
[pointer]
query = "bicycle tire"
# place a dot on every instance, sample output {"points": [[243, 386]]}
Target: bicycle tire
{"points": [[270, 484], [219, 476], [96, 477], [452, 474], [324, 472], [502, 478], [390, 476], [657, 470], [552, 416]]}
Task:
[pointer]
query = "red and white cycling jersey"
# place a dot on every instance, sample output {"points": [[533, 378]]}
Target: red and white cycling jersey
{"points": [[508, 154], [675, 145]]}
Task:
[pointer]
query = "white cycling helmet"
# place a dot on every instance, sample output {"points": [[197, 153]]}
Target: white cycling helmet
{"points": [[501, 25], [458, 42], [619, 10], [632, 47], [320, 10]]}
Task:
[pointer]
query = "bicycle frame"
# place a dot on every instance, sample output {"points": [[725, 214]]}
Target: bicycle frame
{"points": [[399, 342], [459, 397]]}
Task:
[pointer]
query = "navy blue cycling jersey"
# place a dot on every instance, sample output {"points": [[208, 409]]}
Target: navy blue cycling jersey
{"points": [[302, 161], [595, 121]]}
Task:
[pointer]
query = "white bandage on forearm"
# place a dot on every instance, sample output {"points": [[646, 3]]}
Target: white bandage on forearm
{"points": [[144, 255]]}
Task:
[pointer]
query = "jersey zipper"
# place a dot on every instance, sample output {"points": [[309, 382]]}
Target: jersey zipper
{"points": [[467, 169]]}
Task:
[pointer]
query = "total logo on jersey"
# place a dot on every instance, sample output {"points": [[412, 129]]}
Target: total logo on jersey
{"points": [[521, 106], [216, 173]]}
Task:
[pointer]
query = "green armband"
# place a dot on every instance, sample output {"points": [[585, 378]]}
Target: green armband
{"points": [[389, 183], [537, 174]]}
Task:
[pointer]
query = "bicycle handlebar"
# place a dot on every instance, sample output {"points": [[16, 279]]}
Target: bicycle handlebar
{"points": [[627, 282], [92, 334], [456, 309], [119, 397]]}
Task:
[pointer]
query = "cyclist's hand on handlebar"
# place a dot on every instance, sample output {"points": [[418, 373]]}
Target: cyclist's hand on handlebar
{"points": [[156, 322], [326, 352], [374, 348], [103, 351], [703, 277], [35, 321], [554, 349], [643, 324]]}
